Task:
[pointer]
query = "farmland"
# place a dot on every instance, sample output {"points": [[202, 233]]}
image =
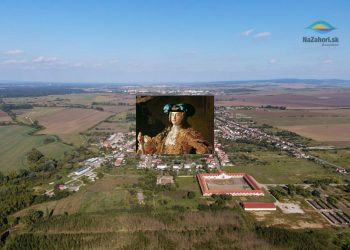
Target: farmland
{"points": [[270, 167], [327, 126], [85, 99], [127, 198], [16, 141], [301, 99], [116, 123], [4, 118], [340, 157], [332, 134], [66, 123], [27, 116]]}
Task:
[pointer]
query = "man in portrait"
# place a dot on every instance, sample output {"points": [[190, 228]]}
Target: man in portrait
{"points": [[176, 138]]}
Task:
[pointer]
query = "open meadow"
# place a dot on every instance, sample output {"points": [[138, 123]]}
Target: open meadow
{"points": [[16, 141], [339, 157], [270, 167], [109, 193]]}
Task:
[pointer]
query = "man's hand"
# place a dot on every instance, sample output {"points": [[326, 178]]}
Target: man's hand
{"points": [[140, 138]]}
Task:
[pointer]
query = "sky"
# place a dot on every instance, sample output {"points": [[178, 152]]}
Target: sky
{"points": [[170, 41]]}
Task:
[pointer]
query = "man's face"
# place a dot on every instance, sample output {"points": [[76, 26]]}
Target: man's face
{"points": [[176, 118]]}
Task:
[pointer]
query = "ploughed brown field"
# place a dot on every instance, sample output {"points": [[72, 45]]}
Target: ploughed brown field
{"points": [[336, 134], [322, 98], [327, 126], [4, 117], [68, 123]]}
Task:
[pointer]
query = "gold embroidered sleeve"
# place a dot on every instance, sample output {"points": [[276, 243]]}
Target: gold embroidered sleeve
{"points": [[196, 140], [152, 144]]}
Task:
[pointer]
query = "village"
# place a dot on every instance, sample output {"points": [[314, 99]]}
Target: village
{"points": [[117, 147], [232, 130]]}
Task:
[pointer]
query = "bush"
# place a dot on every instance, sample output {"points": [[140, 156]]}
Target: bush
{"points": [[34, 156], [191, 194], [33, 217]]}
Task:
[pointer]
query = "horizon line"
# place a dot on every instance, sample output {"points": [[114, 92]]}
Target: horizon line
{"points": [[173, 82]]}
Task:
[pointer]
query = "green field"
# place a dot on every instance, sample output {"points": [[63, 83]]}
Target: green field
{"points": [[178, 196], [114, 124], [83, 99], [270, 167], [112, 192], [340, 157], [16, 141], [71, 99], [116, 198]]}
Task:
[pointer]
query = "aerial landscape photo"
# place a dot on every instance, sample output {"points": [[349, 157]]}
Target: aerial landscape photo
{"points": [[174, 125]]}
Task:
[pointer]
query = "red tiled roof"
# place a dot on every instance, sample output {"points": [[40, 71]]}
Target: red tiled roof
{"points": [[117, 162], [259, 205]]}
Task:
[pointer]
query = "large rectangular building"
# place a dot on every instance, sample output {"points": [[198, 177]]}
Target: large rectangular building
{"points": [[235, 184]]}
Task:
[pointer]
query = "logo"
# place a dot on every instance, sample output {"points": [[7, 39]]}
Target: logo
{"points": [[321, 27]]}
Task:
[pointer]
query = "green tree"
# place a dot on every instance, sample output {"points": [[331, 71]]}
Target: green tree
{"points": [[34, 156], [85, 179], [33, 217], [191, 194], [100, 175], [316, 193]]}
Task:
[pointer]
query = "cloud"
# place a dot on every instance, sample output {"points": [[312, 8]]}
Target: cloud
{"points": [[76, 65], [191, 53], [273, 61], [97, 65], [47, 62], [43, 59], [114, 61], [247, 32], [327, 61], [263, 34], [13, 52], [14, 62]]}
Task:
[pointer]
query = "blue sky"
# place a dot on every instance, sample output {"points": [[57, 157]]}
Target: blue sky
{"points": [[170, 41]]}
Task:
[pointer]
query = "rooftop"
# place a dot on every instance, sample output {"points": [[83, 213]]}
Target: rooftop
{"points": [[259, 205]]}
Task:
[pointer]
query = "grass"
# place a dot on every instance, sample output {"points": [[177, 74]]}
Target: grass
{"points": [[67, 123], [178, 196], [292, 117], [109, 193], [69, 99], [106, 200], [35, 113], [83, 99], [271, 167], [113, 193], [339, 157], [16, 141], [342, 197], [310, 218]]}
